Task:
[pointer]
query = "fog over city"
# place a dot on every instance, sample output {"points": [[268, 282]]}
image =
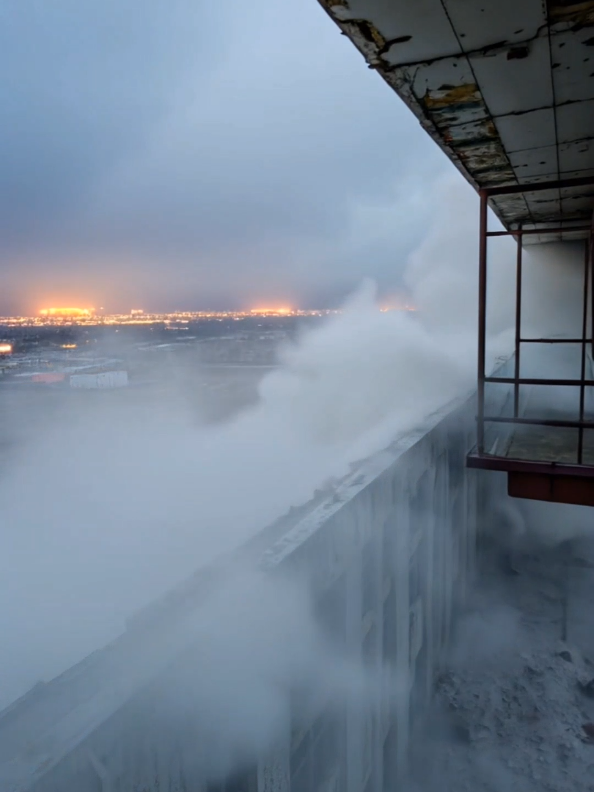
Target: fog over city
{"points": [[190, 170], [238, 531], [107, 509]]}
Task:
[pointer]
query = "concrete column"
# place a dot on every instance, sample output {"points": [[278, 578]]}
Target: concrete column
{"points": [[377, 670], [446, 518], [274, 771], [401, 677], [103, 773], [428, 587], [354, 720]]}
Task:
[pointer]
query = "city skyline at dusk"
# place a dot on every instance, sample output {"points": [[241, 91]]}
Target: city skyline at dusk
{"points": [[90, 316], [191, 180]]}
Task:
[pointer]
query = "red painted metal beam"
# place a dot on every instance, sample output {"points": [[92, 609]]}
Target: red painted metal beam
{"points": [[529, 231], [509, 465], [574, 490]]}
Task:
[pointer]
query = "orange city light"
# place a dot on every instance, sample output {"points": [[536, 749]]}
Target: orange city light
{"points": [[5, 349], [66, 311], [283, 310]]}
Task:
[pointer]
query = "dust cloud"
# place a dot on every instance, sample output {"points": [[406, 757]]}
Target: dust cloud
{"points": [[514, 695], [103, 511], [266, 660]]}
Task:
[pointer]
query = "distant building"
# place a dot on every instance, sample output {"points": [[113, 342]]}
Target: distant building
{"points": [[49, 377], [100, 380]]}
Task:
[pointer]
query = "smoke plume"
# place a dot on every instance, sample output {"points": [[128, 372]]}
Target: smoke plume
{"points": [[105, 510]]}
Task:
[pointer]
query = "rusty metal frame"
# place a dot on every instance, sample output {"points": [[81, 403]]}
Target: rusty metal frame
{"points": [[506, 465], [527, 231], [520, 189], [479, 458]]}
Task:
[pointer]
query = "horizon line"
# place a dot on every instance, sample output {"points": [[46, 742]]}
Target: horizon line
{"points": [[47, 316]]}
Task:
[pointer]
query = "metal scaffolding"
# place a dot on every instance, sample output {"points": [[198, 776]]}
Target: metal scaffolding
{"points": [[555, 479]]}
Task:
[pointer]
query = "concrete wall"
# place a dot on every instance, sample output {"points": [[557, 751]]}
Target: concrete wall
{"points": [[389, 555], [552, 305], [553, 278], [400, 552]]}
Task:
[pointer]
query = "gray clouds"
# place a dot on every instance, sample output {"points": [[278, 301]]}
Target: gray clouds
{"points": [[192, 152]]}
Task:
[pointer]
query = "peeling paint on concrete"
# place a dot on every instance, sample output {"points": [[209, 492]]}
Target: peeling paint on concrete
{"points": [[367, 32], [579, 15], [453, 95], [460, 93], [476, 143], [476, 132], [338, 9]]}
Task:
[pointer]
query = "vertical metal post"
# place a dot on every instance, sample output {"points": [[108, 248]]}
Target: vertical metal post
{"points": [[584, 344], [518, 325], [591, 246], [482, 322]]}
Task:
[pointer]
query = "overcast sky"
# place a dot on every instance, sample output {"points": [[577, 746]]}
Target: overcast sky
{"points": [[193, 154]]}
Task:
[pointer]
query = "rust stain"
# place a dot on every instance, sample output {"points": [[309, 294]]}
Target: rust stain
{"points": [[496, 178], [472, 134], [366, 30], [376, 35], [453, 108], [580, 14], [449, 95], [485, 159]]}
